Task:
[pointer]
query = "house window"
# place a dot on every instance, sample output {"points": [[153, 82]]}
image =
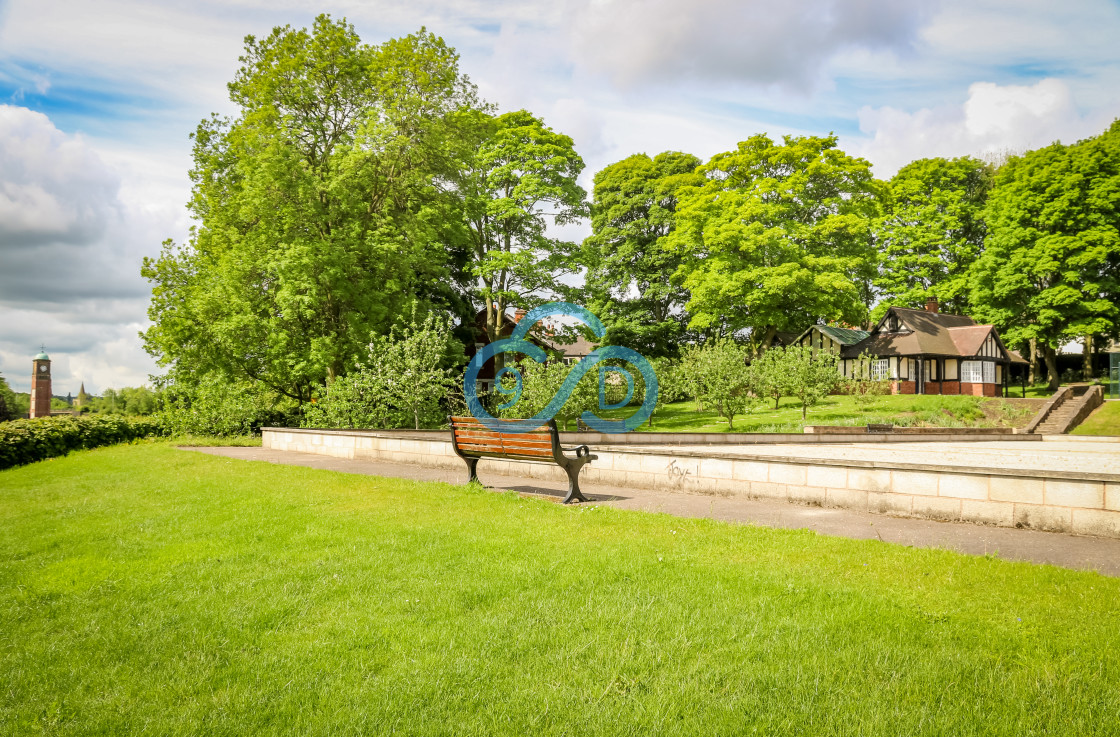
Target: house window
{"points": [[880, 369], [978, 372]]}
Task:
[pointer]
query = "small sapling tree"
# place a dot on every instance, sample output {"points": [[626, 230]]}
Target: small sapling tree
{"points": [[726, 379], [812, 374], [770, 375]]}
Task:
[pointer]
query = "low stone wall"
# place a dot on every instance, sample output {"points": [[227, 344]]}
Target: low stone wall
{"points": [[941, 433], [1059, 501]]}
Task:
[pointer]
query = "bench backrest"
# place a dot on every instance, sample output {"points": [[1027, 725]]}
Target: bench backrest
{"points": [[472, 438]]}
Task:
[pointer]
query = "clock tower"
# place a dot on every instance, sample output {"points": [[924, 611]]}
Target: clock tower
{"points": [[41, 385]]}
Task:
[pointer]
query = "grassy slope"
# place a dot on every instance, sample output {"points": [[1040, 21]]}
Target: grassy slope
{"points": [[844, 410], [1105, 420], [154, 591]]}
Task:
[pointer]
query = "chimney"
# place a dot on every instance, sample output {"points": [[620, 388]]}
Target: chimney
{"points": [[519, 314], [931, 304]]}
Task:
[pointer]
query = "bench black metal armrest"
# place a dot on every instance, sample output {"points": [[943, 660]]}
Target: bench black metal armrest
{"points": [[581, 451]]}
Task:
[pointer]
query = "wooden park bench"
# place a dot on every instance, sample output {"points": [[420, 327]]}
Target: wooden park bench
{"points": [[472, 440]]}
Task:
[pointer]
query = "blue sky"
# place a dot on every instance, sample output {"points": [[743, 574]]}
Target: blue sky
{"points": [[97, 101]]}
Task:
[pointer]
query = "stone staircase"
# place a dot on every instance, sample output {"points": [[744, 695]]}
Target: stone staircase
{"points": [[1066, 410]]}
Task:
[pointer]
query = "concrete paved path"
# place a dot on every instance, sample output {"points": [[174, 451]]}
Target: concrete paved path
{"points": [[1069, 551]]}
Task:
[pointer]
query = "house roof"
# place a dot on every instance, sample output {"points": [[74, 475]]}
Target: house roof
{"points": [[581, 346], [843, 336], [925, 333]]}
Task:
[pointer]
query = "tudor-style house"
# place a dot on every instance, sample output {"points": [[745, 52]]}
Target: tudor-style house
{"points": [[923, 352]]}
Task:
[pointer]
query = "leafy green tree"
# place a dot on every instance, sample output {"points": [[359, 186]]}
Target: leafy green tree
{"points": [[541, 382], [770, 376], [404, 380], [725, 379], [812, 374], [9, 406], [689, 374], [211, 404], [126, 401], [324, 209], [1051, 269], [777, 238], [632, 211], [932, 232], [671, 386], [523, 178], [413, 363]]}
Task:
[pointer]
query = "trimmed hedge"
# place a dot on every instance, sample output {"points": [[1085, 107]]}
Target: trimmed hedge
{"points": [[27, 441]]}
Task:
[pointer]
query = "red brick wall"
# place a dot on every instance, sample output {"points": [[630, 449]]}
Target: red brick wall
{"points": [[978, 390], [903, 387], [40, 393], [942, 387]]}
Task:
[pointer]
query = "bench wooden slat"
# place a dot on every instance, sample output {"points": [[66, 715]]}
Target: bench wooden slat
{"points": [[477, 434], [526, 436], [488, 446], [528, 454], [473, 440]]}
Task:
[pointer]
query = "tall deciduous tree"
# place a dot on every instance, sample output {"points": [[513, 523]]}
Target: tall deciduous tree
{"points": [[523, 180], [932, 232], [322, 207], [1051, 269], [633, 209], [8, 404], [778, 237]]}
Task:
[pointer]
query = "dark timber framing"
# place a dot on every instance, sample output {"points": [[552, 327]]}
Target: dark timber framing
{"points": [[926, 352]]}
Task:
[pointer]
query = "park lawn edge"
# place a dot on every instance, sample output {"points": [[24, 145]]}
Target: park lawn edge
{"points": [[153, 590]]}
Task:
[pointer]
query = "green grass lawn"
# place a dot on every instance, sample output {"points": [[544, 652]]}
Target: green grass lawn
{"points": [[1105, 420], [838, 409], [147, 590]]}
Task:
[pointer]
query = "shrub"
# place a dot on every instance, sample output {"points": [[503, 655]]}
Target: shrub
{"points": [[27, 441], [214, 406]]}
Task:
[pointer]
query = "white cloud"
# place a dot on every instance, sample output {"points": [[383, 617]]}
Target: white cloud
{"points": [[994, 119], [71, 242], [53, 187], [752, 41]]}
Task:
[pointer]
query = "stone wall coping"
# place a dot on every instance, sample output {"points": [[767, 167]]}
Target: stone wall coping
{"points": [[441, 436], [683, 438], [1081, 438], [881, 465]]}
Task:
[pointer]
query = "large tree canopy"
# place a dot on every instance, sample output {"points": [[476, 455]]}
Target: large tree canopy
{"points": [[633, 209], [777, 237], [523, 179], [932, 232], [1051, 269], [322, 208]]}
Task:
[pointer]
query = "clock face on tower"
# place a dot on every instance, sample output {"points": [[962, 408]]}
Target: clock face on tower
{"points": [[43, 369]]}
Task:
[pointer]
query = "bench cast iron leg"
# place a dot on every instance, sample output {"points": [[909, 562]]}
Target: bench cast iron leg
{"points": [[472, 472], [573, 485]]}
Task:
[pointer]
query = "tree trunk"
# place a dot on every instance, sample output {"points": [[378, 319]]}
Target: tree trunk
{"points": [[1050, 356], [1087, 359], [1032, 356], [768, 336]]}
